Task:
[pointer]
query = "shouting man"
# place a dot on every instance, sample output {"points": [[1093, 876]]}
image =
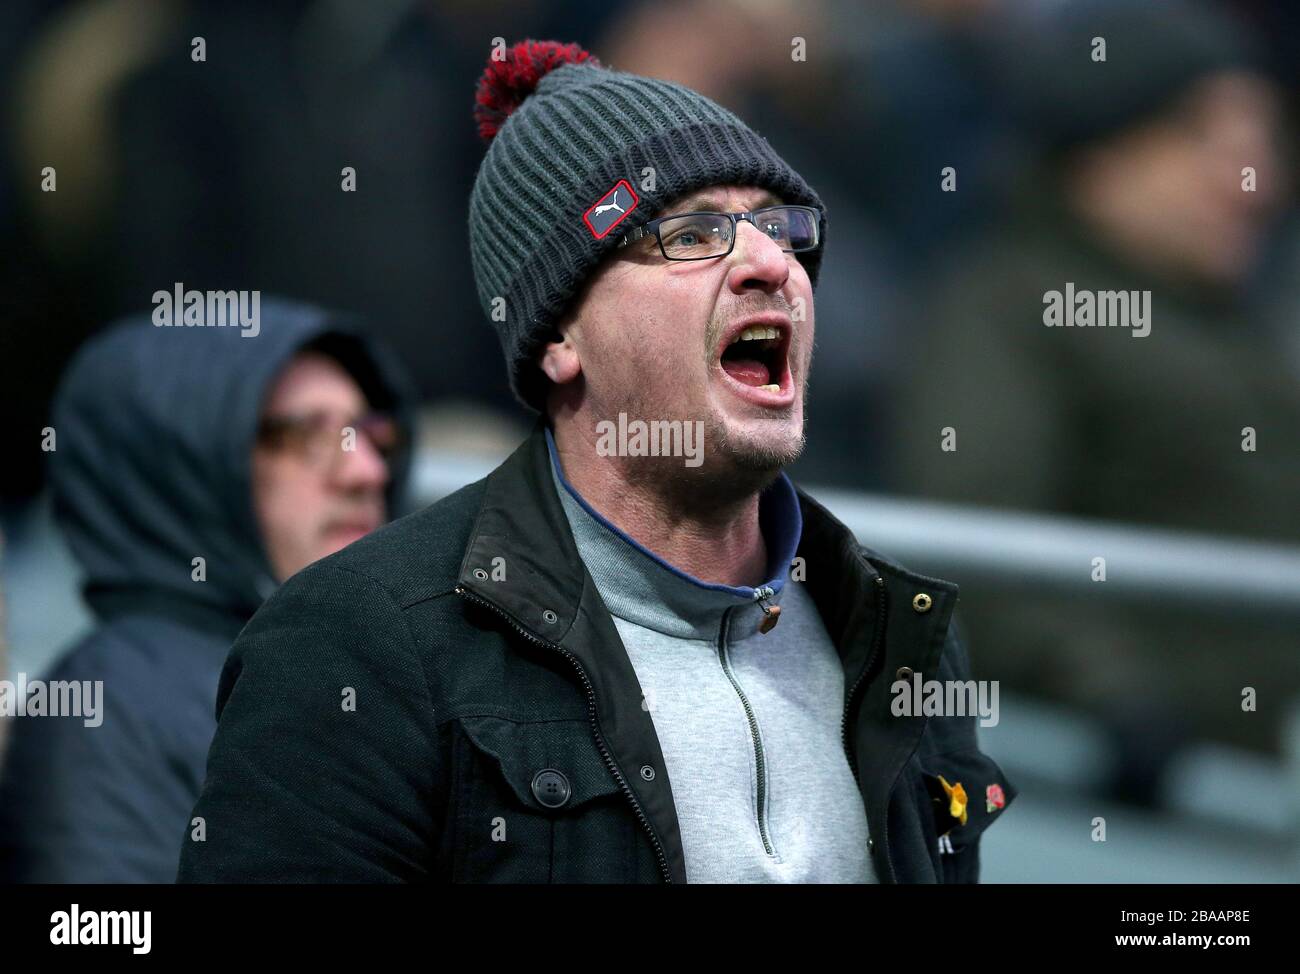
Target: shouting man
{"points": [[609, 660]]}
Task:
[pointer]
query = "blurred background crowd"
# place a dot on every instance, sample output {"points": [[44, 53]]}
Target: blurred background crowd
{"points": [[973, 154]]}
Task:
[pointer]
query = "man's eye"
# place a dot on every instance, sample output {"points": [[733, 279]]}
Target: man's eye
{"points": [[693, 234], [689, 235]]}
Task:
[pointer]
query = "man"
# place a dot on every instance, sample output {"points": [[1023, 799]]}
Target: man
{"points": [[194, 469], [593, 666], [1151, 208]]}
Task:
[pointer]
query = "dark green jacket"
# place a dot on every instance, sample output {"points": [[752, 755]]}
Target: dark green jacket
{"points": [[385, 716]]}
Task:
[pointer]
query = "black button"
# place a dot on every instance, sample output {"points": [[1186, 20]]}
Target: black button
{"points": [[551, 788]]}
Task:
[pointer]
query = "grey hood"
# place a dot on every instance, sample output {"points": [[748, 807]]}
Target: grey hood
{"points": [[155, 430]]}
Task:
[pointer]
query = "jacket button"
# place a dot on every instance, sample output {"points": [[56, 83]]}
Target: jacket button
{"points": [[871, 844], [921, 602], [647, 772], [903, 673], [551, 788]]}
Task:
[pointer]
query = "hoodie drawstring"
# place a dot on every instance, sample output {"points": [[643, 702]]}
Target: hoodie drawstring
{"points": [[771, 613]]}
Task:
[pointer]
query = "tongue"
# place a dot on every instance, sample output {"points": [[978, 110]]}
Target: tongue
{"points": [[748, 371]]}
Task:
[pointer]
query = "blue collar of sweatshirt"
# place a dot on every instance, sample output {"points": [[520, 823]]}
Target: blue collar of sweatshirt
{"points": [[640, 587]]}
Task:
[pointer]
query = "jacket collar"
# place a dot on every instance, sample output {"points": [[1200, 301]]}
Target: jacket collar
{"points": [[866, 603], [639, 586]]}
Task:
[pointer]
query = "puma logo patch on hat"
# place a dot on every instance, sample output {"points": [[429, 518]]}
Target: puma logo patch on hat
{"points": [[611, 209]]}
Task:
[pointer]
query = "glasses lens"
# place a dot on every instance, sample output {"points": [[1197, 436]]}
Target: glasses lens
{"points": [[307, 434], [381, 429], [319, 436], [695, 235], [794, 228]]}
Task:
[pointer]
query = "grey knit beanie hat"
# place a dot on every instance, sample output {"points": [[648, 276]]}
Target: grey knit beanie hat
{"points": [[579, 154]]}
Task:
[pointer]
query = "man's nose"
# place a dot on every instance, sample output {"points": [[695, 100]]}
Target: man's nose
{"points": [[362, 467], [757, 261]]}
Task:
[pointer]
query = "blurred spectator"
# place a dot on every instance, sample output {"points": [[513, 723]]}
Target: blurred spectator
{"points": [[228, 173], [1142, 190], [194, 469]]}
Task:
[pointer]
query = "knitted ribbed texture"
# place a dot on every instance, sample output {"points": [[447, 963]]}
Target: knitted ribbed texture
{"points": [[583, 129]]}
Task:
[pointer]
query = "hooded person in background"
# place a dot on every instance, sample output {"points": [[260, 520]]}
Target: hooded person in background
{"points": [[195, 469]]}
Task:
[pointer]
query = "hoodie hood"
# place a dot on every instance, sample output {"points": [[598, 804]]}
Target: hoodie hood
{"points": [[152, 468]]}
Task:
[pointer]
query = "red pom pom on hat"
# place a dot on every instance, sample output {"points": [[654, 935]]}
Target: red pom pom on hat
{"points": [[505, 84]]}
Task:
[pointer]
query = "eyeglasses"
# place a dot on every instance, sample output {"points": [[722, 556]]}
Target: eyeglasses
{"points": [[705, 235], [319, 437]]}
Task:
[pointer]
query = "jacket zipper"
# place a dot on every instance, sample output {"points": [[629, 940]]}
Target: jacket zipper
{"points": [[591, 713], [759, 759], [848, 705]]}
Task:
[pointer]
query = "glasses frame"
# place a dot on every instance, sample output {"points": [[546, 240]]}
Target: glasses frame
{"points": [[276, 434], [652, 227]]}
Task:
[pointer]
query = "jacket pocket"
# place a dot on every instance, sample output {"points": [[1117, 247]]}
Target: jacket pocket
{"points": [[986, 791], [535, 803]]}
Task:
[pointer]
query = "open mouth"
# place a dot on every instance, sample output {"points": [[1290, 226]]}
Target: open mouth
{"points": [[756, 357]]}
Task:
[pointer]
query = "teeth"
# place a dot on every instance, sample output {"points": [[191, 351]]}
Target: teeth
{"points": [[755, 333], [774, 387]]}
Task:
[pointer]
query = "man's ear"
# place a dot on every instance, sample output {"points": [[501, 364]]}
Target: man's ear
{"points": [[559, 358]]}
